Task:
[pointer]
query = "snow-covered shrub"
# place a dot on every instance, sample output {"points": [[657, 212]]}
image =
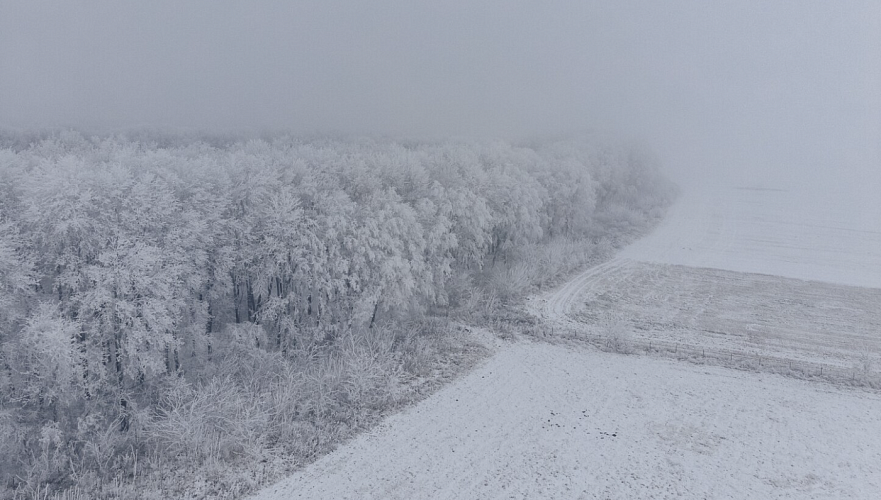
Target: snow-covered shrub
{"points": [[217, 420], [618, 337]]}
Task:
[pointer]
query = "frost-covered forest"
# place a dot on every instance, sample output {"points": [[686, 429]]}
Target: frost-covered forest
{"points": [[171, 304]]}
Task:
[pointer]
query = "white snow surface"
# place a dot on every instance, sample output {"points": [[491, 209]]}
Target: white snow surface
{"points": [[799, 233], [809, 324], [545, 421], [549, 421]]}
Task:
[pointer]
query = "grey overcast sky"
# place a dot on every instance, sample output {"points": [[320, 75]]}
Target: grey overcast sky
{"points": [[752, 86]]}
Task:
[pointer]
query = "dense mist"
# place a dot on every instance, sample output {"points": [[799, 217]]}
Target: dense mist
{"points": [[764, 91], [235, 235]]}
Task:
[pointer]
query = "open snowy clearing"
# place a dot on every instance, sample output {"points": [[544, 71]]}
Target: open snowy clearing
{"points": [[544, 421]]}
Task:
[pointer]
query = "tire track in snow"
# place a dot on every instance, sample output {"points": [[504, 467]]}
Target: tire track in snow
{"points": [[558, 304], [775, 321]]}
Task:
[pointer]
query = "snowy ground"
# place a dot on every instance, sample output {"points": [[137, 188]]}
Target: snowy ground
{"points": [[768, 271], [543, 421], [724, 312], [799, 233], [786, 274]]}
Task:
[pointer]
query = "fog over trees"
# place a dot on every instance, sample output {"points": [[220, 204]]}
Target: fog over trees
{"points": [[763, 90], [238, 233]]}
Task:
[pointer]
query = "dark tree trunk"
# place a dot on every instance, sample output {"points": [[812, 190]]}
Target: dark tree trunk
{"points": [[373, 317], [252, 304]]}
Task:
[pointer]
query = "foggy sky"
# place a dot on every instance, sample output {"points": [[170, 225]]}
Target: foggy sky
{"points": [[761, 88]]}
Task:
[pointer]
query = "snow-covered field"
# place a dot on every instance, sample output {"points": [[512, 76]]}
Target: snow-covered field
{"points": [[753, 270], [543, 421], [730, 312], [799, 233]]}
